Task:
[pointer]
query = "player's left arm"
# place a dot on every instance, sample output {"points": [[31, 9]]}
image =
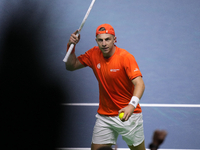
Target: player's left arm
{"points": [[139, 87], [137, 95]]}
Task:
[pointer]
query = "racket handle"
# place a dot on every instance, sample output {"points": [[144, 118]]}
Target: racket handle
{"points": [[81, 26], [70, 49], [68, 52]]}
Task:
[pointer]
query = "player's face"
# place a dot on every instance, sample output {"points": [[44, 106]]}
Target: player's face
{"points": [[106, 44]]}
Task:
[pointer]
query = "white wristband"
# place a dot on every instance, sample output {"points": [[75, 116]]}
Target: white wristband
{"points": [[134, 101]]}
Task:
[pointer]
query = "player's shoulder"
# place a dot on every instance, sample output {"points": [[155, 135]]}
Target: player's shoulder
{"points": [[124, 55], [123, 52], [95, 49]]}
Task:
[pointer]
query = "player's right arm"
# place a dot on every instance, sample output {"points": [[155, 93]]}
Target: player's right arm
{"points": [[73, 63]]}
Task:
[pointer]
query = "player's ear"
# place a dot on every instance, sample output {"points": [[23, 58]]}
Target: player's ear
{"points": [[115, 39]]}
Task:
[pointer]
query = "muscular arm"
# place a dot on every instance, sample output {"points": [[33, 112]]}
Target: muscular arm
{"points": [[73, 63], [139, 87], [138, 92]]}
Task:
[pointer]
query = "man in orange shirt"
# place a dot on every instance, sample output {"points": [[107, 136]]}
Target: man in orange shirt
{"points": [[120, 88]]}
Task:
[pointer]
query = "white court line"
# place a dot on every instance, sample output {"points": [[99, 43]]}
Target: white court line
{"points": [[142, 105]]}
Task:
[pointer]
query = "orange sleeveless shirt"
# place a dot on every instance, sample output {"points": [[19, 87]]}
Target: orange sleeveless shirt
{"points": [[114, 76]]}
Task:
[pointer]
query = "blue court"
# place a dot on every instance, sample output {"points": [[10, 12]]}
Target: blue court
{"points": [[164, 37]]}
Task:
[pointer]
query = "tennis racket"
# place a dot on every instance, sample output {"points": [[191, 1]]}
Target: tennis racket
{"points": [[79, 30]]}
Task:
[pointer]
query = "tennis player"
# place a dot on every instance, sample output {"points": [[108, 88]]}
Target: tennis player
{"points": [[120, 89]]}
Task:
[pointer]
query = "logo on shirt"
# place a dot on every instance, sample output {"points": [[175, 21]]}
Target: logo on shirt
{"points": [[98, 66], [136, 69], [114, 70], [133, 102]]}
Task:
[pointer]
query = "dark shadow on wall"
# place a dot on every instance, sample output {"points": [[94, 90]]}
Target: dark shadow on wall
{"points": [[29, 99]]}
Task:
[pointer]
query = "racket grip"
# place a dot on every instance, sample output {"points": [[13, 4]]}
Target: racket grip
{"points": [[68, 52], [70, 49]]}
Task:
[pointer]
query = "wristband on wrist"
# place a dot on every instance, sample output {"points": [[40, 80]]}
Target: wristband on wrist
{"points": [[134, 101], [73, 50]]}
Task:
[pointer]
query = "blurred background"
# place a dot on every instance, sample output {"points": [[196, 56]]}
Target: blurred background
{"points": [[37, 93]]}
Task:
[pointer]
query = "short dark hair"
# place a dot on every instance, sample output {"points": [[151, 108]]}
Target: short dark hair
{"points": [[102, 29]]}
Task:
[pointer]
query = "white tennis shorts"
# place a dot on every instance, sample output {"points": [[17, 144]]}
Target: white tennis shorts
{"points": [[107, 129]]}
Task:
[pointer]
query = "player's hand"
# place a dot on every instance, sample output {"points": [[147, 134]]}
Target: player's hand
{"points": [[128, 111], [73, 38]]}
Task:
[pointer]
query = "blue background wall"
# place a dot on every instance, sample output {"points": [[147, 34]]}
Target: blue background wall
{"points": [[164, 37]]}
